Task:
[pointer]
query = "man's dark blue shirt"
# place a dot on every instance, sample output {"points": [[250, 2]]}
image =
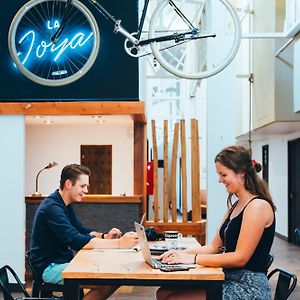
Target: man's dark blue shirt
{"points": [[56, 233]]}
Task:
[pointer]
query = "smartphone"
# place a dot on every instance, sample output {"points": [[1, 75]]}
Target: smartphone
{"points": [[174, 268]]}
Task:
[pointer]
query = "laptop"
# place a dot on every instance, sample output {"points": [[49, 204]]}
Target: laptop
{"points": [[153, 262]]}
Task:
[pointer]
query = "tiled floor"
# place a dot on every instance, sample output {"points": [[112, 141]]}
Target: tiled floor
{"points": [[286, 256]]}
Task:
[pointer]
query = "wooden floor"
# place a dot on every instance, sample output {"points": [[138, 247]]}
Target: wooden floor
{"points": [[286, 256]]}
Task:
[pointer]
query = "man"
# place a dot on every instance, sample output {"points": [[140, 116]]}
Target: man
{"points": [[57, 231]]}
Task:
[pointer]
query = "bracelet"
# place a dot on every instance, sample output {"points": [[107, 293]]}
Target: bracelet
{"points": [[103, 235], [195, 258]]}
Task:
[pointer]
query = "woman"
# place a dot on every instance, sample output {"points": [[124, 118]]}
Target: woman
{"points": [[242, 244]]}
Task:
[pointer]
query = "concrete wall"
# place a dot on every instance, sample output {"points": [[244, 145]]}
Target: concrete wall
{"points": [[12, 212]]}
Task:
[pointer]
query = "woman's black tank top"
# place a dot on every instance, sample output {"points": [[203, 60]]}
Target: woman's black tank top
{"points": [[229, 233]]}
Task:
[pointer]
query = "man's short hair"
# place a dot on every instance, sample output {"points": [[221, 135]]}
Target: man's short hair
{"points": [[73, 172]]}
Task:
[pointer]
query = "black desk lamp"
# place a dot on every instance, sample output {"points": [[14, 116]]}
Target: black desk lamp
{"points": [[49, 166]]}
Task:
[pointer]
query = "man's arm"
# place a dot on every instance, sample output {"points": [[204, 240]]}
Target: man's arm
{"points": [[128, 240]]}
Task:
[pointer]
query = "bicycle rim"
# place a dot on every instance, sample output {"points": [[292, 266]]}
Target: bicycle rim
{"points": [[37, 57], [202, 57]]}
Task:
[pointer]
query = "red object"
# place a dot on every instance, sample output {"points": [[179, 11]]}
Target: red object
{"points": [[149, 182]]}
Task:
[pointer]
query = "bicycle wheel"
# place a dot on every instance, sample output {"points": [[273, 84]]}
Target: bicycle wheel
{"points": [[45, 62], [197, 57]]}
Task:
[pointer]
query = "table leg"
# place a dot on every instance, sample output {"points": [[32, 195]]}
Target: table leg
{"points": [[214, 292], [71, 290]]}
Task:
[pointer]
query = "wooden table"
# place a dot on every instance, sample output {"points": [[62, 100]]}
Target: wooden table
{"points": [[117, 267]]}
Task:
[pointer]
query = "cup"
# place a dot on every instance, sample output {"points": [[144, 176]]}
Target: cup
{"points": [[171, 239]]}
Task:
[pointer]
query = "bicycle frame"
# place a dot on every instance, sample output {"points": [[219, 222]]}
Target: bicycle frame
{"points": [[118, 28]]}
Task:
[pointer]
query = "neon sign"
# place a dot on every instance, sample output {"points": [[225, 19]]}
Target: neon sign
{"points": [[33, 47]]}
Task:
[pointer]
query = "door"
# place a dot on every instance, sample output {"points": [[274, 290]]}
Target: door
{"points": [[293, 188], [98, 158]]}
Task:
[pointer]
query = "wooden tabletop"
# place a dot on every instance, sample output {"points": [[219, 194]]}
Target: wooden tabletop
{"points": [[115, 264]]}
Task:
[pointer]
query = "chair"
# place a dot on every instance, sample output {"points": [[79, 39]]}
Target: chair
{"points": [[297, 236], [5, 272], [271, 258], [286, 283], [40, 288]]}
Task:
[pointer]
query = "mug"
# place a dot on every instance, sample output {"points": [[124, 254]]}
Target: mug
{"points": [[171, 238]]}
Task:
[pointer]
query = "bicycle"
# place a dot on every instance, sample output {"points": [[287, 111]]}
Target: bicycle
{"points": [[55, 42]]}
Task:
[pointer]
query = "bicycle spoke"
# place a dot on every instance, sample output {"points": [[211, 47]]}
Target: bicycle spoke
{"points": [[199, 56], [43, 61]]}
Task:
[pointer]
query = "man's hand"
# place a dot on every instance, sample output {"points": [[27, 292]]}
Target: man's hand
{"points": [[114, 233], [128, 240]]}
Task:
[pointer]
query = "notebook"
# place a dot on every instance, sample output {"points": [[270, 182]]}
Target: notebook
{"points": [[153, 262]]}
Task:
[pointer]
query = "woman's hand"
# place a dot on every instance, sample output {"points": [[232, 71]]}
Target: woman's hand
{"points": [[175, 257]]}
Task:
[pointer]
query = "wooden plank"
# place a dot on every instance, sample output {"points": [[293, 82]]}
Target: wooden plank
{"points": [[166, 166], [94, 199], [195, 171], [173, 172], [155, 172], [190, 228], [140, 163], [183, 170], [134, 108]]}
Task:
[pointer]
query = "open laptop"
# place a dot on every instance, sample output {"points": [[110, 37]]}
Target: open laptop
{"points": [[153, 262]]}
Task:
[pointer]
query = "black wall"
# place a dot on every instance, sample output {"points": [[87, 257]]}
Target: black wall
{"points": [[114, 75]]}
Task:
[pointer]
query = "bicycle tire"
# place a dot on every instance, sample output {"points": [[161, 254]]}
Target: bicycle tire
{"points": [[44, 62], [198, 58]]}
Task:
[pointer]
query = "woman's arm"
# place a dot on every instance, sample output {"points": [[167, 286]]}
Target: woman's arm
{"points": [[213, 248], [257, 216], [128, 240]]}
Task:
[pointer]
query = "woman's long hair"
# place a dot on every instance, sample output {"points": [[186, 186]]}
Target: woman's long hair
{"points": [[238, 159]]}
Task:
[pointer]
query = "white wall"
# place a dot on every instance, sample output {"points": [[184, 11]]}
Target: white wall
{"points": [[221, 132], [12, 213], [278, 175], [45, 143]]}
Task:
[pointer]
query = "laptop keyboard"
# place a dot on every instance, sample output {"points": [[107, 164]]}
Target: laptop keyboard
{"points": [[159, 264]]}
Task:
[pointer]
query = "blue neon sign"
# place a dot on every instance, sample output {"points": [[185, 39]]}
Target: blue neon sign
{"points": [[35, 47], [38, 49]]}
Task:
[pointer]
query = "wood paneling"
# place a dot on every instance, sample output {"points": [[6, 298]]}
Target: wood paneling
{"points": [[98, 158]]}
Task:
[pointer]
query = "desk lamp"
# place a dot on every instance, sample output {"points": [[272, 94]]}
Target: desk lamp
{"points": [[50, 165]]}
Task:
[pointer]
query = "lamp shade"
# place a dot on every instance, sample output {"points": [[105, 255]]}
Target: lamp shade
{"points": [[50, 165]]}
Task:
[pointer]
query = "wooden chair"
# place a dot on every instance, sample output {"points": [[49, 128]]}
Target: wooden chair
{"points": [[171, 220]]}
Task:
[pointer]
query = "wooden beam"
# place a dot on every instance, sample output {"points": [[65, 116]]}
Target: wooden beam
{"points": [[183, 170], [155, 172], [135, 109], [166, 187], [173, 172], [140, 164]]}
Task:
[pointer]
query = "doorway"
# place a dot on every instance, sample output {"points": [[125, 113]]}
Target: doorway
{"points": [[293, 188], [98, 158]]}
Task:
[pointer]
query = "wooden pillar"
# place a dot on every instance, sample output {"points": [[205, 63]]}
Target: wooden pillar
{"points": [[183, 170], [166, 157], [173, 173], [155, 173], [195, 171]]}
